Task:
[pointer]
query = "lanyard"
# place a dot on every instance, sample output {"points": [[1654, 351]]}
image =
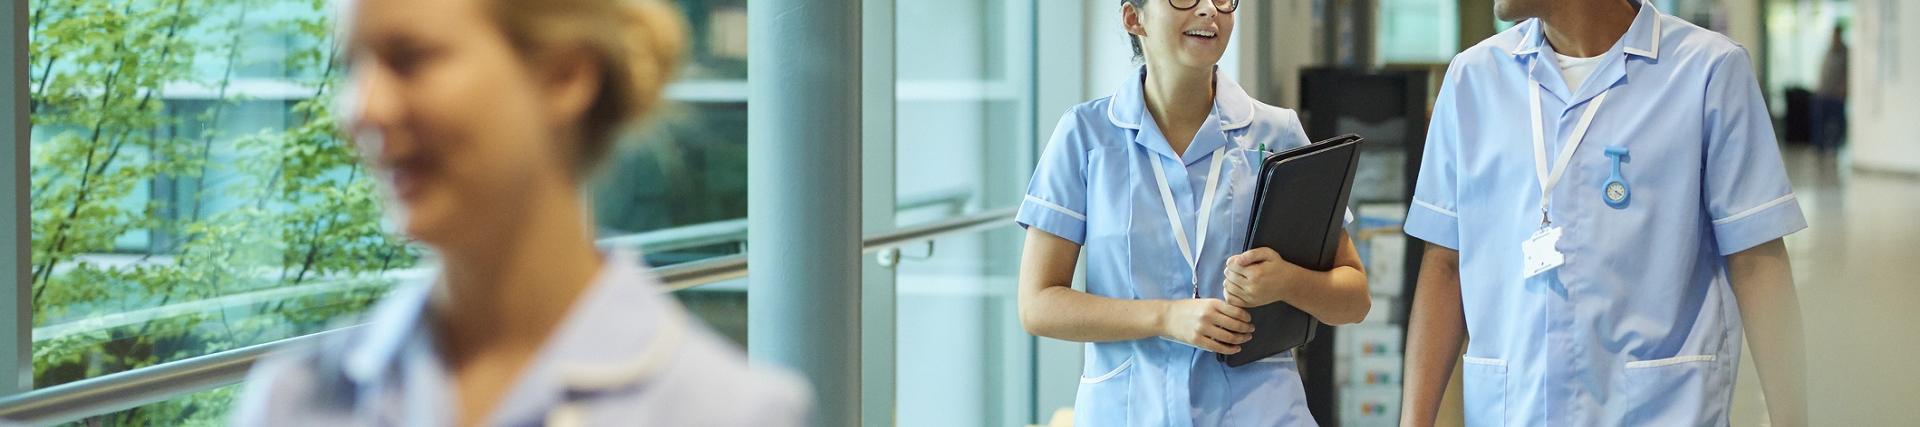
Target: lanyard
{"points": [[1190, 252], [1566, 153]]}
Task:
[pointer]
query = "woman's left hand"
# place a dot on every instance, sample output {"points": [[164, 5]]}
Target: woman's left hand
{"points": [[1259, 277]]}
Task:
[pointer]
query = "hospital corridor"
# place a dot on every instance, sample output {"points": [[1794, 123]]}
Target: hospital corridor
{"points": [[960, 213]]}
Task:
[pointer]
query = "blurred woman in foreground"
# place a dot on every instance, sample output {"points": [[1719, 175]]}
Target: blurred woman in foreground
{"points": [[483, 118]]}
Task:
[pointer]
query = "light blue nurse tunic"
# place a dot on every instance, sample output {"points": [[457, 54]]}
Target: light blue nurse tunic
{"points": [[1639, 326], [627, 354], [1095, 185]]}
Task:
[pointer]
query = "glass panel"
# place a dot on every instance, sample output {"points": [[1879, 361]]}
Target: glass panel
{"points": [[678, 190], [963, 117], [721, 305], [963, 358], [1417, 31], [189, 193], [719, 39]]}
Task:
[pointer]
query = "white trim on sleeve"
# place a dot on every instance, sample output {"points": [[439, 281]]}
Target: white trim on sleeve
{"points": [[1435, 208], [1061, 209], [1750, 212]]}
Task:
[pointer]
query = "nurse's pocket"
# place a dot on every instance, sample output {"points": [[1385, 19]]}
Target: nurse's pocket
{"points": [[1484, 390], [1103, 398], [1673, 391]]}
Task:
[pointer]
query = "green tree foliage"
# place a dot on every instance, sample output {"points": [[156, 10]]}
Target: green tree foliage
{"points": [[296, 244]]}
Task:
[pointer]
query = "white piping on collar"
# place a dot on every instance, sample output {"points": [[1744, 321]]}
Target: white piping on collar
{"points": [[1652, 51], [1245, 120], [1521, 47], [1116, 119], [660, 350]]}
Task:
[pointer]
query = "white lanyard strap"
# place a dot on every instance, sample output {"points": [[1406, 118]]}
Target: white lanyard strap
{"points": [[1547, 181], [1206, 213]]}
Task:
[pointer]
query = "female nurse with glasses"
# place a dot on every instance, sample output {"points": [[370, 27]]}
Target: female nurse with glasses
{"points": [[1155, 184]]}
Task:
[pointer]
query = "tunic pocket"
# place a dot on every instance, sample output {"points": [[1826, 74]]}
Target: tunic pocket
{"points": [[1673, 391], [1104, 398], [1484, 391]]}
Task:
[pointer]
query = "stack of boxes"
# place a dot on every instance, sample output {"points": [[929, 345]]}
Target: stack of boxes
{"points": [[1368, 354]]}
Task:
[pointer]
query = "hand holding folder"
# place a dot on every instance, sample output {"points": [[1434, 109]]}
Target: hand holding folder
{"points": [[1258, 277], [1299, 209]]}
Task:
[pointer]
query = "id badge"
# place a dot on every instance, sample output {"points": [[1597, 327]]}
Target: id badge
{"points": [[1539, 252]]}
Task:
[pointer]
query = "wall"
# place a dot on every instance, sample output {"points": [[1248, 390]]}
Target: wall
{"points": [[1885, 79]]}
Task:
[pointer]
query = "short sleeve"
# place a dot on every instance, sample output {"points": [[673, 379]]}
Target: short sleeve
{"points": [[1056, 200], [1433, 215], [1745, 185]]}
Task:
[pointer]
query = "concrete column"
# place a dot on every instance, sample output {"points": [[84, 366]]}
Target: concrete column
{"points": [[803, 199]]}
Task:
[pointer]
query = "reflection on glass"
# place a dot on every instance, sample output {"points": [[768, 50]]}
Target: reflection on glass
{"points": [[964, 96], [719, 42], [721, 305], [677, 191], [962, 357]]}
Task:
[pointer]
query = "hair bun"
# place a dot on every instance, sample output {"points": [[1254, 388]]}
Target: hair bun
{"points": [[656, 41]]}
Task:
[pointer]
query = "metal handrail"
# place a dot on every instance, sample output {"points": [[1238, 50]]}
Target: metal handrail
{"points": [[735, 230], [928, 231], [123, 390], [129, 389], [694, 274]]}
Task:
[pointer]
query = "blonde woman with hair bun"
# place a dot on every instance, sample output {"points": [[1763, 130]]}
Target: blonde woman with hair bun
{"points": [[482, 119]]}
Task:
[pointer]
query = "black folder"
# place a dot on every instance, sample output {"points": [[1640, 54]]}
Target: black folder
{"points": [[1299, 211]]}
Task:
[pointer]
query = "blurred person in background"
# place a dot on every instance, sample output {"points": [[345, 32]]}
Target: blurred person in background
{"points": [[483, 119], [1830, 98]]}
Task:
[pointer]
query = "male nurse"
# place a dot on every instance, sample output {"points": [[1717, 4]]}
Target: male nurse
{"points": [[1603, 202]]}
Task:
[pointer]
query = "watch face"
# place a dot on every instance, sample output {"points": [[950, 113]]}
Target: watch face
{"points": [[1616, 192]]}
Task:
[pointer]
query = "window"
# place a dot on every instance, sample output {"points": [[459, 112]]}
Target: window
{"points": [[678, 190], [1417, 31], [190, 193], [964, 107], [964, 143]]}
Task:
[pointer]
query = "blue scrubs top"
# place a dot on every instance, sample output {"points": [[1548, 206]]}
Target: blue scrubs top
{"points": [[625, 355], [1095, 185], [1639, 326]]}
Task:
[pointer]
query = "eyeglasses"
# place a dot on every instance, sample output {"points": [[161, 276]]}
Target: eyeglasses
{"points": [[1224, 6]]}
